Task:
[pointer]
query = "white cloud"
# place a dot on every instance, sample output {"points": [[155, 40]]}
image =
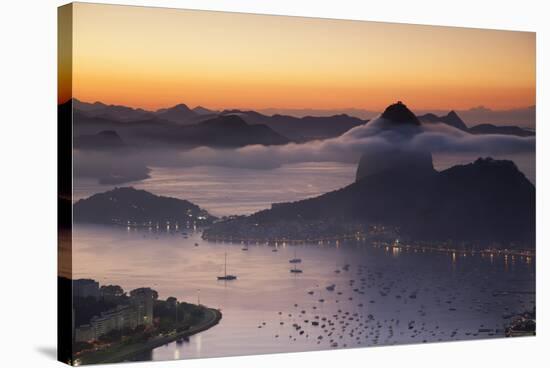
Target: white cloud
{"points": [[436, 138]]}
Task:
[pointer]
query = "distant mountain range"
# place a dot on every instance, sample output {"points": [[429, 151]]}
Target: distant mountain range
{"points": [[501, 129], [111, 112], [177, 114], [168, 124], [148, 130], [133, 207], [105, 139], [452, 119], [288, 127], [484, 201], [523, 116]]}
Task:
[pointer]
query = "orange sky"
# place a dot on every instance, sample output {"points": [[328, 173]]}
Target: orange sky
{"points": [[155, 57]]}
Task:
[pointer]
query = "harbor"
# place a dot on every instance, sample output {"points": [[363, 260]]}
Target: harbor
{"points": [[352, 294]]}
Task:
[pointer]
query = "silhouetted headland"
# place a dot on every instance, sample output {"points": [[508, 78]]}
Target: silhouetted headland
{"points": [[133, 207]]}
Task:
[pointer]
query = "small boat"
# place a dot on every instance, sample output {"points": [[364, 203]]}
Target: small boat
{"points": [[275, 250], [295, 260], [295, 270], [196, 244], [225, 276], [244, 248]]}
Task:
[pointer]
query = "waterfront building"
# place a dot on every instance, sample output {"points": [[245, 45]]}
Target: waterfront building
{"points": [[121, 317], [143, 299], [138, 312]]}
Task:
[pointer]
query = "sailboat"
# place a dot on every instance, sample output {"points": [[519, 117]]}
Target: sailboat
{"points": [[295, 260], [295, 270], [225, 276]]}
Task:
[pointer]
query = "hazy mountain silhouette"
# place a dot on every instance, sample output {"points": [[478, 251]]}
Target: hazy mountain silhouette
{"points": [[87, 106], [306, 128], [222, 131], [507, 130], [106, 139], [455, 121], [524, 116], [451, 119], [233, 131], [199, 110], [123, 206], [362, 114], [302, 129], [111, 112], [398, 113], [178, 114]]}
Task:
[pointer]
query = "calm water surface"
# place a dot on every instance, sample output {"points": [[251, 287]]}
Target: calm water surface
{"points": [[233, 191], [383, 297]]}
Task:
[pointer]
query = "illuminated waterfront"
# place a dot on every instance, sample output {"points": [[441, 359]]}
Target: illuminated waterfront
{"points": [[383, 294]]}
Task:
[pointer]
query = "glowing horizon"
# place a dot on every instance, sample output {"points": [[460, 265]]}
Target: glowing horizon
{"points": [[153, 58]]}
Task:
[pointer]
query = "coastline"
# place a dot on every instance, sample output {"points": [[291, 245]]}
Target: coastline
{"points": [[212, 318], [520, 252]]}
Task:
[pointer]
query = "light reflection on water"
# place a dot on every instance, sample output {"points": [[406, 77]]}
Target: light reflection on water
{"points": [[447, 296]]}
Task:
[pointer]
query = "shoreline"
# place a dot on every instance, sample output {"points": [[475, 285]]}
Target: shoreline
{"points": [[128, 351], [520, 252]]}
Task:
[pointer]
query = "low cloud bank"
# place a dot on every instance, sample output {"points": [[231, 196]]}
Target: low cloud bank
{"points": [[436, 138], [375, 135]]}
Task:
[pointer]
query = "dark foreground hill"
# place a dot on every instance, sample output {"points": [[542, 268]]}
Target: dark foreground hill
{"points": [[484, 201], [129, 206]]}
